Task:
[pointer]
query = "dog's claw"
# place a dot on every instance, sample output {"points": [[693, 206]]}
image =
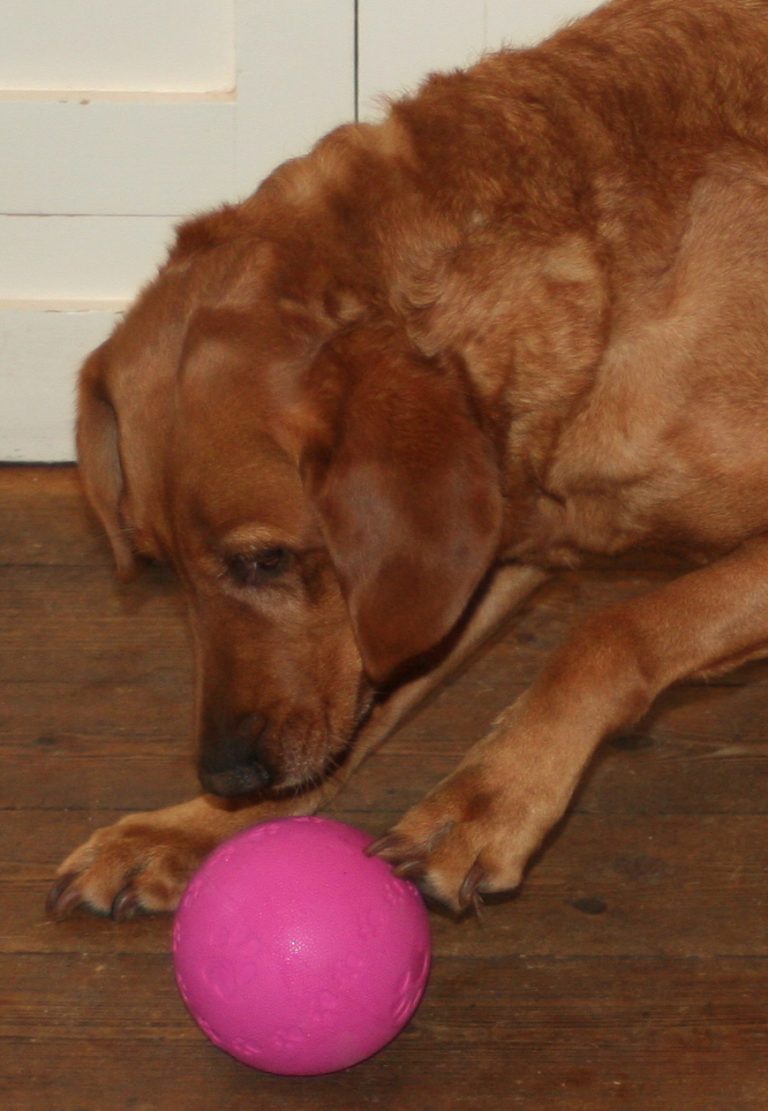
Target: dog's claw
{"points": [[389, 847], [469, 894], [410, 870], [63, 897], [401, 855], [125, 905]]}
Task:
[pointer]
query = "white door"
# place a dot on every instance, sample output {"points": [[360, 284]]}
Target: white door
{"points": [[401, 41], [117, 120]]}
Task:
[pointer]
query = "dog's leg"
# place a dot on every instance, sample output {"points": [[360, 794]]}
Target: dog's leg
{"points": [[144, 860], [477, 829]]}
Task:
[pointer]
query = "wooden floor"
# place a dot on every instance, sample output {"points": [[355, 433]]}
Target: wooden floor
{"points": [[630, 972]]}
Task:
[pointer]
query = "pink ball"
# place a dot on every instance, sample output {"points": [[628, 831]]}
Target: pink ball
{"points": [[295, 952]]}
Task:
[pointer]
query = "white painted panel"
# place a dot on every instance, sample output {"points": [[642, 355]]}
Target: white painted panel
{"points": [[38, 351], [115, 158], [295, 80], [401, 41], [60, 258], [158, 155], [98, 44], [520, 23], [98, 184]]}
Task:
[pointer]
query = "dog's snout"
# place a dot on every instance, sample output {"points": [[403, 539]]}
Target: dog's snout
{"points": [[232, 761]]}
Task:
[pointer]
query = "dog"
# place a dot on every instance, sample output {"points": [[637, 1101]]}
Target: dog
{"points": [[521, 321]]}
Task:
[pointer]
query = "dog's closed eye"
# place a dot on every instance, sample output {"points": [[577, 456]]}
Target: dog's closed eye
{"points": [[253, 569]]}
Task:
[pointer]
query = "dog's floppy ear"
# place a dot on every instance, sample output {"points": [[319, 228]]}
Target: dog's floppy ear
{"points": [[407, 492], [99, 459]]}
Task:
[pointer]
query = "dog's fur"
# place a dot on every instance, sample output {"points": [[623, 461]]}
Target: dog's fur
{"points": [[362, 413]]}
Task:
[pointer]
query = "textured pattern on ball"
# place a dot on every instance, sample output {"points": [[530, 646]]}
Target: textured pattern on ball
{"points": [[295, 952]]}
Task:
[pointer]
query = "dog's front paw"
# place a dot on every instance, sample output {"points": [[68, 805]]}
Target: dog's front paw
{"points": [[466, 838], [141, 863]]}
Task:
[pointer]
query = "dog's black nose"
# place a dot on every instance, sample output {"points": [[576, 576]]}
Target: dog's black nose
{"points": [[232, 762], [243, 779]]}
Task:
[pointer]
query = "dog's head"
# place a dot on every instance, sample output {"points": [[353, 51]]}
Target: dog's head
{"points": [[324, 492]]}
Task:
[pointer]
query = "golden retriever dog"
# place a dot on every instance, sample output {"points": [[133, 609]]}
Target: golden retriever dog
{"points": [[521, 321]]}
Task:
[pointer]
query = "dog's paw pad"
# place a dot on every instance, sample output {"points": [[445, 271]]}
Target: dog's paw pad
{"points": [[462, 841], [134, 866]]}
